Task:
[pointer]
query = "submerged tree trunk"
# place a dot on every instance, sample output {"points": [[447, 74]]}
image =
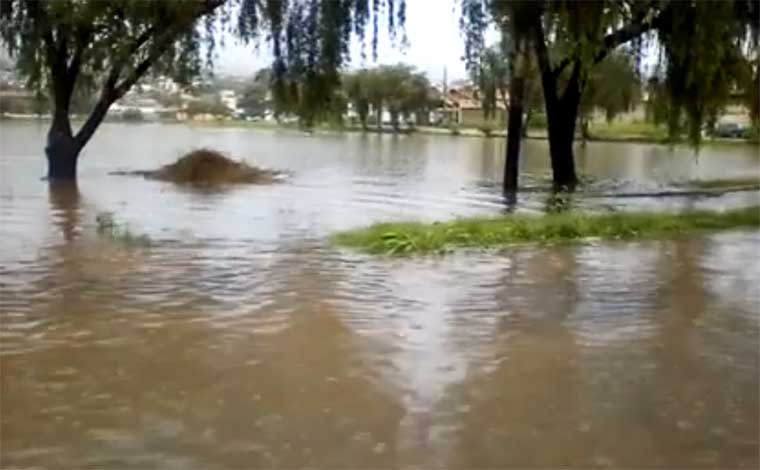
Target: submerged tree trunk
{"points": [[62, 150], [562, 114], [514, 134], [561, 117], [62, 154], [519, 64]]}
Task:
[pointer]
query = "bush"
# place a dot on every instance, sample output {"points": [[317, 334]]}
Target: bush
{"points": [[207, 106], [132, 114], [752, 133], [23, 105], [538, 121]]}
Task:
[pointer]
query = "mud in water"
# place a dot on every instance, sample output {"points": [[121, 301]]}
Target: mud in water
{"points": [[205, 167]]}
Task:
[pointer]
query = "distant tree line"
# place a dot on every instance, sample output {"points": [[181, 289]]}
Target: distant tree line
{"points": [[400, 90]]}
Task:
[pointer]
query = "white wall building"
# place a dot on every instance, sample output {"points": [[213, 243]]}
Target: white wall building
{"points": [[229, 99]]}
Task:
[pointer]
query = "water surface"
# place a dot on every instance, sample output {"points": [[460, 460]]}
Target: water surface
{"points": [[241, 338]]}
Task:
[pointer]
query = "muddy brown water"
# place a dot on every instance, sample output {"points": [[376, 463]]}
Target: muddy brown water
{"points": [[240, 338]]}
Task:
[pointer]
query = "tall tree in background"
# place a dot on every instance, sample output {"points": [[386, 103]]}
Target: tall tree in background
{"points": [[356, 85], [63, 45], [511, 62], [700, 41], [398, 89], [60, 44], [516, 26], [491, 75], [613, 87]]}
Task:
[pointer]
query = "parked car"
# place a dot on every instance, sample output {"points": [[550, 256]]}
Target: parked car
{"points": [[728, 129]]}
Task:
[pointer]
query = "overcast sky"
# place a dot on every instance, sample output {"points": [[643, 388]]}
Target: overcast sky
{"points": [[434, 42]]}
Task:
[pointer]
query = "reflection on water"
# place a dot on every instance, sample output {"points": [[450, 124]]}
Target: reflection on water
{"points": [[239, 338]]}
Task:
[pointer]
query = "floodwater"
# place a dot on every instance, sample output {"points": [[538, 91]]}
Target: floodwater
{"points": [[240, 338]]}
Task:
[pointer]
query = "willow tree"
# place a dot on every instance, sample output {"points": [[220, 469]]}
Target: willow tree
{"points": [[613, 87], [492, 79], [355, 87], [399, 89], [698, 39], [110, 45]]}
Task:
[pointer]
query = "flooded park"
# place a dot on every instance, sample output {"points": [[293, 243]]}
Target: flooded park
{"points": [[234, 334]]}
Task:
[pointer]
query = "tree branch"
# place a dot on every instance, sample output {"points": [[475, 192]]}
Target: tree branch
{"points": [[112, 92], [562, 65], [82, 38], [109, 87], [629, 32], [548, 79], [542, 54]]}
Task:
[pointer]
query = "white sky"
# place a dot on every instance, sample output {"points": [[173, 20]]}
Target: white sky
{"points": [[434, 42]]}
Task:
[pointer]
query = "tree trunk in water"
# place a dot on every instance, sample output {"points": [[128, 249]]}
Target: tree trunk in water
{"points": [[562, 114], [514, 134], [519, 64], [62, 149], [62, 154], [561, 136]]}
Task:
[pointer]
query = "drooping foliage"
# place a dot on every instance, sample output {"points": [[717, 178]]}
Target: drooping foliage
{"points": [[700, 43], [256, 96], [614, 86], [63, 45], [708, 49], [709, 54], [492, 78]]}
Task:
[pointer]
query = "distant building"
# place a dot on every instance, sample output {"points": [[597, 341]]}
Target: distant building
{"points": [[149, 108], [167, 85], [462, 106], [229, 99]]}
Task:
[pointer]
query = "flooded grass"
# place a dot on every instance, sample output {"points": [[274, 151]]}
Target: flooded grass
{"points": [[407, 238], [636, 130], [108, 228]]}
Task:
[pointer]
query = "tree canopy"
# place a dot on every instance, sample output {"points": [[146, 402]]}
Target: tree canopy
{"points": [[701, 45], [614, 86], [109, 45], [399, 89]]}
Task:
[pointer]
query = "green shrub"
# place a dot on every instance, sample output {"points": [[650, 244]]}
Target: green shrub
{"points": [[538, 121], [752, 133], [132, 114]]}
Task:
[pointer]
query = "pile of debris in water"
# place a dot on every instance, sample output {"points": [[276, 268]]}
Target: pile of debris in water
{"points": [[209, 167]]}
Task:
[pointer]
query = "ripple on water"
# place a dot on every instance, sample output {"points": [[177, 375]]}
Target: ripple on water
{"points": [[240, 337]]}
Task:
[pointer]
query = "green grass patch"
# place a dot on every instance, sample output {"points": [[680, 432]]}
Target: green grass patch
{"points": [[636, 130], [407, 238]]}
